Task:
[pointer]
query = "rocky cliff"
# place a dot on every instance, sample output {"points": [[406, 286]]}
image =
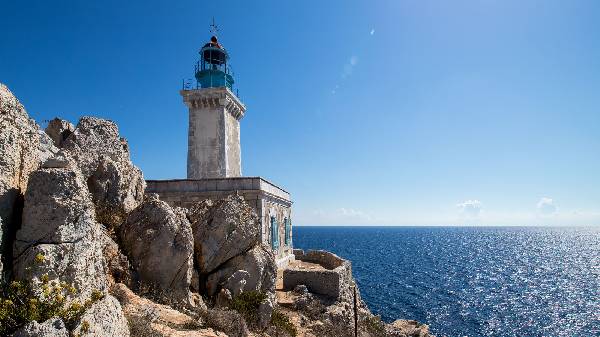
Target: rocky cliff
{"points": [[84, 252]]}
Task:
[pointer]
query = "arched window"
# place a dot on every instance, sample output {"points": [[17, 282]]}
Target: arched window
{"points": [[274, 233], [288, 231]]}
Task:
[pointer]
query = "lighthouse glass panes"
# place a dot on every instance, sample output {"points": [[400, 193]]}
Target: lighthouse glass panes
{"points": [[274, 233], [286, 223], [212, 71]]}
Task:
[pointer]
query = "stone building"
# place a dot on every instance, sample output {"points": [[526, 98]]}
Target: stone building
{"points": [[214, 161]]}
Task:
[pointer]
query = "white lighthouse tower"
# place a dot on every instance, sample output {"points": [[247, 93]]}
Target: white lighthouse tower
{"points": [[214, 118]]}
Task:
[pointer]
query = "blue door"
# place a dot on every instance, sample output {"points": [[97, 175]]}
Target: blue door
{"points": [[286, 223], [274, 233]]}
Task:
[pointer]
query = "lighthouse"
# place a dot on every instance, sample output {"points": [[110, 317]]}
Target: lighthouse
{"points": [[214, 156], [214, 117]]}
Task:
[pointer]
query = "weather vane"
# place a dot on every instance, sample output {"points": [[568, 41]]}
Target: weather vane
{"points": [[214, 29]]}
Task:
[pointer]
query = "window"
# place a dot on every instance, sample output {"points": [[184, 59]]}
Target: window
{"points": [[288, 231], [274, 233]]}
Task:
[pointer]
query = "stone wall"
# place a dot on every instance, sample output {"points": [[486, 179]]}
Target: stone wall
{"points": [[271, 207], [214, 133], [334, 280], [205, 157], [232, 146], [266, 198]]}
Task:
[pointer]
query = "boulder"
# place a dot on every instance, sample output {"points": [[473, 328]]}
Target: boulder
{"points": [[265, 310], [58, 130], [117, 186], [104, 318], [222, 230], [223, 299], [259, 265], [147, 318], [159, 243], [59, 236], [117, 264], [407, 328], [236, 282], [19, 144], [19, 156], [53, 327]]}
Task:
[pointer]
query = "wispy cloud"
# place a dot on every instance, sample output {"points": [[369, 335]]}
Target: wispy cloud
{"points": [[347, 71], [372, 31], [349, 66], [339, 216], [470, 207], [546, 206]]}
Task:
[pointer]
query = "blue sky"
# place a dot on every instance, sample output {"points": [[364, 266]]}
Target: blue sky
{"points": [[368, 112]]}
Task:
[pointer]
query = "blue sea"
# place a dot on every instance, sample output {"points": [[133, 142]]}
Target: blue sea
{"points": [[473, 281]]}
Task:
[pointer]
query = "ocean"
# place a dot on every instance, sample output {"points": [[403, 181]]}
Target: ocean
{"points": [[474, 281]]}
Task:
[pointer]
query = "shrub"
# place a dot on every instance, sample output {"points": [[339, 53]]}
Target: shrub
{"points": [[23, 302], [282, 323], [374, 325], [247, 304]]}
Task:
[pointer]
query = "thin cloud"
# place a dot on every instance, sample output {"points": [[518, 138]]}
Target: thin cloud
{"points": [[343, 215], [372, 31], [349, 66], [546, 206], [470, 207]]}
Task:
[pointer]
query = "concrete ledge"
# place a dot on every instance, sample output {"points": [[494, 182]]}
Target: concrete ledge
{"points": [[217, 185], [332, 280], [284, 261]]}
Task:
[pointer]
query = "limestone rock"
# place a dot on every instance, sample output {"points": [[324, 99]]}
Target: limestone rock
{"points": [[58, 160], [53, 327], [147, 318], [407, 328], [223, 298], [195, 283], [236, 282], [117, 186], [159, 243], [117, 264], [59, 236], [59, 130], [265, 309], [19, 156], [259, 263], [104, 318], [19, 143], [222, 230]]}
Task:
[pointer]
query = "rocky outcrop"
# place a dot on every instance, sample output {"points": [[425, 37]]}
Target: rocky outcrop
{"points": [[116, 185], [223, 229], [20, 151], [104, 318], [19, 144], [58, 130], [117, 264], [59, 236], [147, 318], [407, 328], [159, 243], [253, 270], [53, 327]]}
